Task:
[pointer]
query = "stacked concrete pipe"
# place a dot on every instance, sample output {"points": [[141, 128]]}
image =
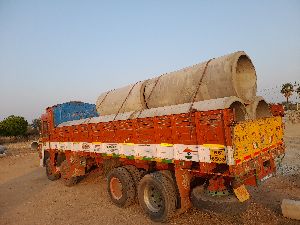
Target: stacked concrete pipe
{"points": [[258, 108], [226, 76]]}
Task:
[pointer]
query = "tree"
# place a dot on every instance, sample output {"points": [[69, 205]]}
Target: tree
{"points": [[13, 126], [287, 90], [2, 130], [36, 124], [34, 128]]}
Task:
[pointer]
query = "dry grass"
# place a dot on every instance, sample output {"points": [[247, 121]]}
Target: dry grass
{"points": [[18, 148], [4, 140]]}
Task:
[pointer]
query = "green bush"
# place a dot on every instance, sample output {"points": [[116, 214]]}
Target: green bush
{"points": [[13, 126]]}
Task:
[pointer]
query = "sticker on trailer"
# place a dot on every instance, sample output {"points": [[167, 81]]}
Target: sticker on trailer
{"points": [[145, 150], [165, 151], [186, 152], [110, 148], [217, 153], [87, 147], [97, 147]]}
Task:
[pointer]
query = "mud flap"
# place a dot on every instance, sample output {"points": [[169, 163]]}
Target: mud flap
{"points": [[183, 179], [241, 193]]}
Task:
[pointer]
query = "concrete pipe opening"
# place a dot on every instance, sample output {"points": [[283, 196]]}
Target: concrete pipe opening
{"points": [[262, 110], [244, 78], [239, 110]]}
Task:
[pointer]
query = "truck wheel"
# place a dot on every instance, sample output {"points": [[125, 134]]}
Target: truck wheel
{"points": [[67, 179], [120, 187], [157, 196], [49, 171], [136, 176], [223, 204]]}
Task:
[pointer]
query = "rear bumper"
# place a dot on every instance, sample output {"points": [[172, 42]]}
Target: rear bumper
{"points": [[259, 168]]}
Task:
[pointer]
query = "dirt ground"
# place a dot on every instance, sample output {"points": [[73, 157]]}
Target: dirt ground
{"points": [[28, 197]]}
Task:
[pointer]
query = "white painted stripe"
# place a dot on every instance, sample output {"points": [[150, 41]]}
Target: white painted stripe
{"points": [[204, 154], [196, 153], [165, 151], [127, 149], [145, 150]]}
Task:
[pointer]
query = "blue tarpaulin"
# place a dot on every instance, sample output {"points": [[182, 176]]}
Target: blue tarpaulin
{"points": [[73, 111]]}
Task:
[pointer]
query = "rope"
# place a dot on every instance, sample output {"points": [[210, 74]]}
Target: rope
{"points": [[146, 100], [194, 98], [199, 84], [104, 98], [125, 100]]}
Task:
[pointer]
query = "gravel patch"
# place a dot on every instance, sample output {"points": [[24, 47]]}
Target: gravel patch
{"points": [[288, 170]]}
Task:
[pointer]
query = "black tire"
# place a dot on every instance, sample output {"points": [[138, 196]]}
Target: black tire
{"points": [[49, 172], [64, 170], [120, 187], [136, 176], [224, 204], [110, 164], [157, 196]]}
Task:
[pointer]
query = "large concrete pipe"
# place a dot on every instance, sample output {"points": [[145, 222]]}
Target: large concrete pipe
{"points": [[131, 96], [229, 75]]}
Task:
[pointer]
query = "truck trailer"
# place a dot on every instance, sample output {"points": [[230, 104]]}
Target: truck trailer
{"points": [[167, 158]]}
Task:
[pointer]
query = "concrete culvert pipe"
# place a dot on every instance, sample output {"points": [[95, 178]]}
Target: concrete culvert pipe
{"points": [[234, 103], [239, 110], [111, 102], [259, 108], [229, 75], [262, 110]]}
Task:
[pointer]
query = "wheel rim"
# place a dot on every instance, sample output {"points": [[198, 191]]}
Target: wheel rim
{"points": [[116, 188], [153, 198]]}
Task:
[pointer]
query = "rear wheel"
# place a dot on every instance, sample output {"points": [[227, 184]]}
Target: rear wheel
{"points": [[157, 196], [49, 171], [65, 173], [120, 187], [136, 176]]}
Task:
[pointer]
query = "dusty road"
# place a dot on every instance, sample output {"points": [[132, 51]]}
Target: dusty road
{"points": [[28, 197]]}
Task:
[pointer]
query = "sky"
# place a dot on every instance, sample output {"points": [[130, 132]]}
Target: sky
{"points": [[57, 51]]}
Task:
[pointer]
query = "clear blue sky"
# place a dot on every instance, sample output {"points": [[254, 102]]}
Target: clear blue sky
{"points": [[57, 51]]}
